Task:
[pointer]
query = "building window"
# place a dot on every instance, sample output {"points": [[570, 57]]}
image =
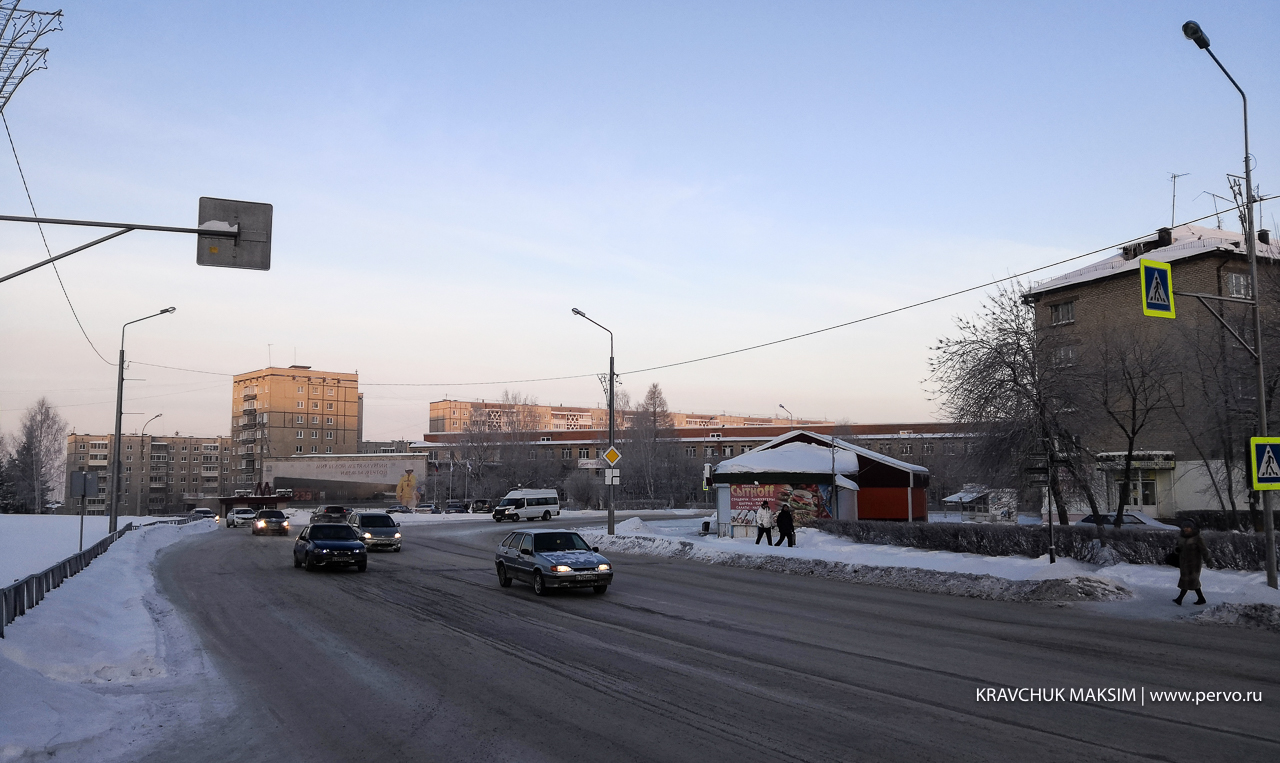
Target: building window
{"points": [[328, 406], [329, 392], [926, 449], [1239, 285], [906, 449], [315, 449], [300, 390], [315, 435], [566, 453], [1063, 312], [533, 454], [315, 390], [299, 419], [127, 447], [79, 458], [328, 449], [300, 435], [184, 458], [1062, 357], [301, 404], [315, 406], [584, 452], [297, 448], [328, 435], [128, 458], [691, 451], [315, 419], [329, 421], [81, 446]]}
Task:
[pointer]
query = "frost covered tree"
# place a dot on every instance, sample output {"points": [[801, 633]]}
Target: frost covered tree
{"points": [[35, 457]]}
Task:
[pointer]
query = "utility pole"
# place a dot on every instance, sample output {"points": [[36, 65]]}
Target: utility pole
{"points": [[1173, 217], [612, 414], [117, 447]]}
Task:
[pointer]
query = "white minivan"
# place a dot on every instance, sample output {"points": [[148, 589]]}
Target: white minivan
{"points": [[530, 504]]}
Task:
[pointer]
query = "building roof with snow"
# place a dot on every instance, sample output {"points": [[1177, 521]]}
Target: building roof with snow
{"points": [[1166, 245]]}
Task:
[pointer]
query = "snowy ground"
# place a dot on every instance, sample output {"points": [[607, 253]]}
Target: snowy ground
{"points": [[301, 517], [104, 662], [31, 543], [1153, 587]]}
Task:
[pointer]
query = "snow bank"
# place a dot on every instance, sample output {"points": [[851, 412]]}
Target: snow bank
{"points": [[1148, 589], [1265, 616], [633, 526], [80, 671]]}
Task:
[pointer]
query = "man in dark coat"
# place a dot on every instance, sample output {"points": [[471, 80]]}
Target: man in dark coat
{"points": [[1192, 555], [786, 526]]}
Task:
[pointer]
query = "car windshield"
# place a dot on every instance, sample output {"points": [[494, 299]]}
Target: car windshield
{"points": [[333, 532], [334, 509], [271, 514], [509, 502], [559, 542], [245, 511], [377, 520]]}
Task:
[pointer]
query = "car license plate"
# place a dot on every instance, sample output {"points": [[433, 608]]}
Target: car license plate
{"points": [[586, 577]]}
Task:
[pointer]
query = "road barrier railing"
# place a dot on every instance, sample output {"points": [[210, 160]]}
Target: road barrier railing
{"points": [[26, 593]]}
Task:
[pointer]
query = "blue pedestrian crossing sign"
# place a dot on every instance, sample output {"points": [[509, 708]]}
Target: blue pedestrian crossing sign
{"points": [[1265, 459], [1157, 289]]}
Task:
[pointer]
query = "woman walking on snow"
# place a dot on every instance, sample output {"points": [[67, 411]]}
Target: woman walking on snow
{"points": [[764, 523], [1192, 555]]}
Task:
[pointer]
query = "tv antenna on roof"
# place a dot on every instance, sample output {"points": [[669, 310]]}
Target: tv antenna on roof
{"points": [[1173, 178], [1216, 198]]}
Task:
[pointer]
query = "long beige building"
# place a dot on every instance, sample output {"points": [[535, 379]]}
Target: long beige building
{"points": [[469, 415], [279, 412], [159, 474]]}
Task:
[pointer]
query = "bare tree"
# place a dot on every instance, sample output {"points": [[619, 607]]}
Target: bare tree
{"points": [[1015, 386], [37, 455], [649, 440]]}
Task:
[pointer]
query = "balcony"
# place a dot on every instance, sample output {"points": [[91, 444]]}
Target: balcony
{"points": [[250, 396]]}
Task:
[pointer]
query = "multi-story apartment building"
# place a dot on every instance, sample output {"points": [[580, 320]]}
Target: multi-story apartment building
{"points": [[1187, 442], [468, 415], [278, 412], [158, 474]]}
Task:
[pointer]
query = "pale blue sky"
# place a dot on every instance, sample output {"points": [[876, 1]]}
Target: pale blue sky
{"points": [[450, 179]]}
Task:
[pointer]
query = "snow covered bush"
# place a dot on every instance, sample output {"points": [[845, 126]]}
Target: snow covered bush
{"points": [[1235, 551]]}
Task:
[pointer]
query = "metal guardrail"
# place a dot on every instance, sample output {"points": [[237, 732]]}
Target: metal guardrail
{"points": [[16, 599]]}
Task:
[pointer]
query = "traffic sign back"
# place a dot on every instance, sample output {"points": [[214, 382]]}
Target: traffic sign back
{"points": [[1157, 289]]}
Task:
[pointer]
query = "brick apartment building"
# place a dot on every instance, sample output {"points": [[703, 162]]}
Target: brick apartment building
{"points": [[159, 474], [461, 415], [1081, 311]]}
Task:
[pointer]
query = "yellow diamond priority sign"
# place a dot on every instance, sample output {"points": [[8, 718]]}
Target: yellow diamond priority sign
{"points": [[612, 456]]}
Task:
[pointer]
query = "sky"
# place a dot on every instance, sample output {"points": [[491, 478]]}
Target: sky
{"points": [[449, 180]]}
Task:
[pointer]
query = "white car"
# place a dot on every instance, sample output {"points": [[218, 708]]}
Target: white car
{"points": [[240, 518], [527, 504], [1133, 520]]}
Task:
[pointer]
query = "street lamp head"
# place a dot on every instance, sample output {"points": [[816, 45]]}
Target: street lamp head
{"points": [[1192, 31], [169, 310], [576, 311]]}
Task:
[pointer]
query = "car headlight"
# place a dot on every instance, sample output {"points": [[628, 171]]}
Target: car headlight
{"points": [[562, 568], [397, 535], [368, 535], [286, 523], [604, 568], [324, 550], [262, 523]]}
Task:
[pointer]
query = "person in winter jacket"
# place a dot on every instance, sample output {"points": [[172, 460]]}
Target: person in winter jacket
{"points": [[764, 523], [786, 527], [1192, 555]]}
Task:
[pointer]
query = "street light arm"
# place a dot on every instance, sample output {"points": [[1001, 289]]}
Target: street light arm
{"points": [[581, 314], [139, 320]]}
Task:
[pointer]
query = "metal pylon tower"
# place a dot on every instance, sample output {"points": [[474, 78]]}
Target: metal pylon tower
{"points": [[20, 33]]}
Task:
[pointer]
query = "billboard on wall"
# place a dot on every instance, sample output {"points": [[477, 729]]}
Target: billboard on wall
{"points": [[379, 471], [805, 501]]}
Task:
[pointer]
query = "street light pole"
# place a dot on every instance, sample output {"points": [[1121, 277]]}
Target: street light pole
{"points": [[1192, 31], [115, 461], [581, 314], [142, 438]]}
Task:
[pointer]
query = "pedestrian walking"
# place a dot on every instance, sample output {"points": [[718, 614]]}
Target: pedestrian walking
{"points": [[1192, 555], [786, 527], [764, 523]]}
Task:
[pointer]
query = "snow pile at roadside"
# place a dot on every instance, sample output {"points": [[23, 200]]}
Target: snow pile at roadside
{"points": [[1151, 586], [980, 586], [31, 543], [80, 671], [1265, 616], [633, 526]]}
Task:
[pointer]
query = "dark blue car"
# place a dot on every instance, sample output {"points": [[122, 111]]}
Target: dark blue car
{"points": [[329, 545]]}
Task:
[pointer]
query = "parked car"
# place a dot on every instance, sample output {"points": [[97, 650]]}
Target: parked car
{"points": [[330, 514], [270, 522], [329, 544], [527, 504], [426, 508], [240, 517], [399, 508], [549, 559], [376, 529], [1133, 520], [454, 507], [204, 514], [481, 506]]}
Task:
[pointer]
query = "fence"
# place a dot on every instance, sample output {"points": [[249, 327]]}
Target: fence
{"points": [[16, 599]]}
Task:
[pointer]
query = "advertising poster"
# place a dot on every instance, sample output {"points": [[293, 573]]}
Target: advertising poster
{"points": [[805, 501]]}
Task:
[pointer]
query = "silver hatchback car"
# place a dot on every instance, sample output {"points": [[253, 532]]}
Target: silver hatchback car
{"points": [[549, 559]]}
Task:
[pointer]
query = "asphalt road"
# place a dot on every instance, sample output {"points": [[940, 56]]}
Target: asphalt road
{"points": [[425, 658]]}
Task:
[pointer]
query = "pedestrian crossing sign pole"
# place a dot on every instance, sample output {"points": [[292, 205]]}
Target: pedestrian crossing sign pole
{"points": [[1157, 289], [1265, 459]]}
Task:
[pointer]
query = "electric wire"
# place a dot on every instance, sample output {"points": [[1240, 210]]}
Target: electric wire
{"points": [[47, 250]]}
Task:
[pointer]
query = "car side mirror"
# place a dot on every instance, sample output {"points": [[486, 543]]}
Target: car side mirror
{"points": [[596, 549], [526, 551], [397, 524]]}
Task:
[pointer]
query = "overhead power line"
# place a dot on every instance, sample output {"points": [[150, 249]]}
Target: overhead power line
{"points": [[762, 345]]}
